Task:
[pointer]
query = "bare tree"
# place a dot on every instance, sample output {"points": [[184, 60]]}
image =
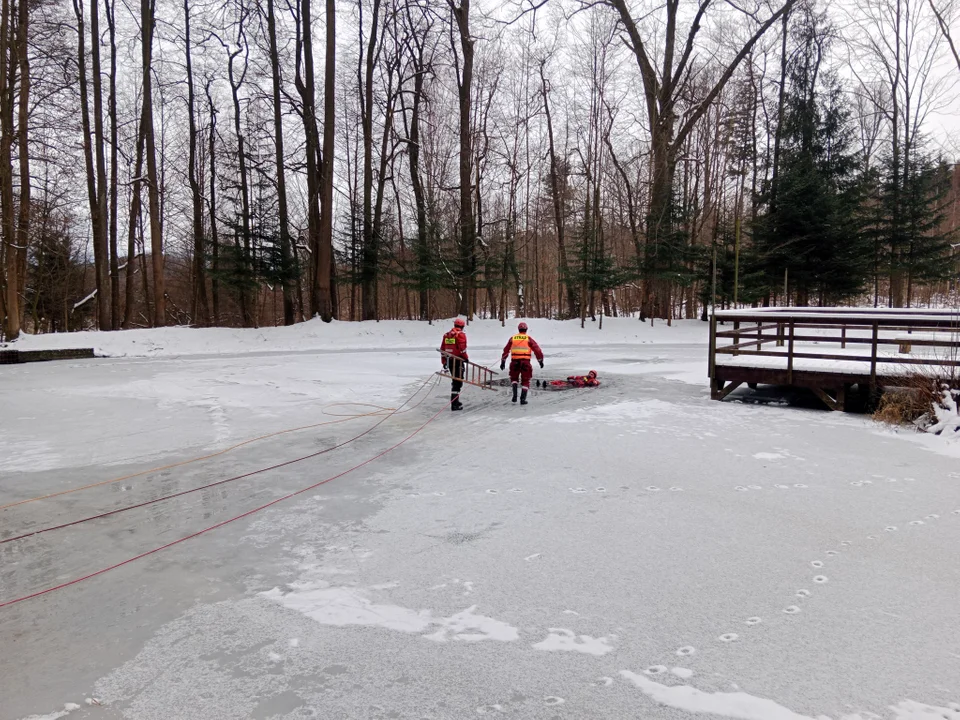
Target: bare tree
{"points": [[468, 241], [147, 25], [666, 85], [199, 307], [284, 218]]}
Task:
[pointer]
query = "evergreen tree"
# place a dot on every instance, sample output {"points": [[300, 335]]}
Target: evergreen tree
{"points": [[909, 226], [815, 230]]}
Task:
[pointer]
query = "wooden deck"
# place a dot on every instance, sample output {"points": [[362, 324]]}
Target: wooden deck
{"points": [[830, 350]]}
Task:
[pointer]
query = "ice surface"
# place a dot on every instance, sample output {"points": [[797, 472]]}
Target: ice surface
{"points": [[505, 561]]}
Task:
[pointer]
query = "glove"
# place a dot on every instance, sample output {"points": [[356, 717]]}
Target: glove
{"points": [[444, 363], [466, 359], [541, 364], [503, 364]]}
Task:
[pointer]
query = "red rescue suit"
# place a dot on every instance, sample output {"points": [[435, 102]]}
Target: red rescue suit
{"points": [[521, 347]]}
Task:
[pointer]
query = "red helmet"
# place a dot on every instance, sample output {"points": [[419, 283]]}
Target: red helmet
{"points": [[459, 322], [592, 374], [522, 327]]}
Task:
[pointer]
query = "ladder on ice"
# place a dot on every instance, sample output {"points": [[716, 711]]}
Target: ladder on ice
{"points": [[476, 375]]}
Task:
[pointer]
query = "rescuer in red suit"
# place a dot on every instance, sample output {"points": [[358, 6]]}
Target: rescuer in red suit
{"points": [[454, 349], [521, 348]]}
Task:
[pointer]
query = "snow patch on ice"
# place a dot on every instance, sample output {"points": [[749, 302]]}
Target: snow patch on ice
{"points": [[342, 607], [734, 705], [744, 706], [768, 456], [67, 709], [563, 640]]}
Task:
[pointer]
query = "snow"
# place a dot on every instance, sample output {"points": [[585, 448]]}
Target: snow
{"points": [[726, 704], [636, 550], [67, 709], [564, 640], [317, 336], [341, 606]]}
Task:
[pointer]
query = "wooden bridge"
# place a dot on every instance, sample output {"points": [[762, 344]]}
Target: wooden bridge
{"points": [[829, 350]]}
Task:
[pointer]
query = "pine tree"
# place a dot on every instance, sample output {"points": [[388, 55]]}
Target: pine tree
{"points": [[815, 231], [909, 222]]}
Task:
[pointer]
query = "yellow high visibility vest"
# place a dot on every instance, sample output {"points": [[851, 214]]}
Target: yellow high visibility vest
{"points": [[520, 347]]}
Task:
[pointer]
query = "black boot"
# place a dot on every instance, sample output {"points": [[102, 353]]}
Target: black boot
{"points": [[523, 397], [455, 403], [514, 392]]}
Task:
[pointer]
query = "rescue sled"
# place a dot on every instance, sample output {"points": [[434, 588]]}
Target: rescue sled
{"points": [[473, 374]]}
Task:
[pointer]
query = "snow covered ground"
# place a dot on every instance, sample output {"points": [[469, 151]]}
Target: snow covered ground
{"points": [[635, 551]]}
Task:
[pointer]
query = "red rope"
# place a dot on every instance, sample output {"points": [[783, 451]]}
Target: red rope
{"points": [[213, 484], [224, 522]]}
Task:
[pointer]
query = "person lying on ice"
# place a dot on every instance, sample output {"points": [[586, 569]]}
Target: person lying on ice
{"points": [[454, 349], [520, 348], [579, 381]]}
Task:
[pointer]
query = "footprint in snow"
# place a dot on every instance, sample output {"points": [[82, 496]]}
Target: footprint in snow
{"points": [[728, 637], [676, 489], [535, 556], [799, 485], [493, 492], [603, 681], [803, 593], [891, 528], [686, 651], [578, 491], [817, 563], [516, 490], [601, 489], [487, 709], [656, 670], [791, 610], [553, 700], [752, 621], [820, 579], [653, 488], [831, 553]]}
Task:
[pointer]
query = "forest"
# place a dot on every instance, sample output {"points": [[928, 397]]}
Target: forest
{"points": [[262, 162]]}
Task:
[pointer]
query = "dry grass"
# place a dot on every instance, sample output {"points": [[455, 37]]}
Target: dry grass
{"points": [[905, 405]]}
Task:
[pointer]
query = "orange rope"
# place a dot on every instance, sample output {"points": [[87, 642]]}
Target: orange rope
{"points": [[343, 418]]}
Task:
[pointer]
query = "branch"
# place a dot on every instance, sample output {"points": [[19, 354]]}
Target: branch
{"points": [[946, 32], [728, 73]]}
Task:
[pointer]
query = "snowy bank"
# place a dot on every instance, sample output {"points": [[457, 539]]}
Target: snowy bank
{"points": [[316, 335]]}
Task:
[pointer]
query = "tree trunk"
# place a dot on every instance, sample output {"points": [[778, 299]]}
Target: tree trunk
{"points": [[8, 230], [243, 243], [558, 215], [199, 307], [100, 239], [147, 8], [370, 258], [325, 260], [422, 251], [23, 115], [115, 318], [133, 222], [214, 237], [286, 260], [468, 250], [96, 183]]}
